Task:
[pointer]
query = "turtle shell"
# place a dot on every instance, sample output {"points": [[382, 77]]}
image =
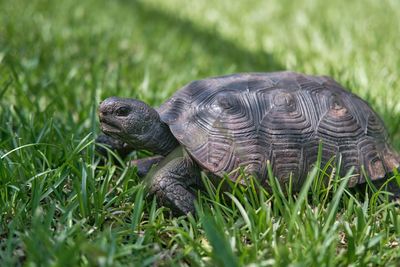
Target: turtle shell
{"points": [[242, 121]]}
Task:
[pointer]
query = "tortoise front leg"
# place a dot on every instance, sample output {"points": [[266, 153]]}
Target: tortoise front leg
{"points": [[144, 165], [171, 185], [121, 148]]}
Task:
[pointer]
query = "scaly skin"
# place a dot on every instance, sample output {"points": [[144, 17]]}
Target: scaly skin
{"points": [[144, 166], [116, 145], [172, 185], [123, 149], [136, 124], [124, 129]]}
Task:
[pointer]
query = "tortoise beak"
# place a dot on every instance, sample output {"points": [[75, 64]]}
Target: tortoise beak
{"points": [[109, 128], [108, 124]]}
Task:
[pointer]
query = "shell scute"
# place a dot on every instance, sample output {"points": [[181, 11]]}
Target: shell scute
{"points": [[246, 120]]}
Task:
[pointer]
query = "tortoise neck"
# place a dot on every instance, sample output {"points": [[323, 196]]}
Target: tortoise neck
{"points": [[161, 141]]}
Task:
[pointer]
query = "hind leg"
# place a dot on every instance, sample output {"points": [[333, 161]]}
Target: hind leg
{"points": [[392, 187]]}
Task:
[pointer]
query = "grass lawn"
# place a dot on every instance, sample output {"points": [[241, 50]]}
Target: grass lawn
{"points": [[58, 59]]}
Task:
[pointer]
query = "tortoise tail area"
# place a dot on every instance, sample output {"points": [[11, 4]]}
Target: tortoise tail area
{"points": [[391, 160], [392, 186]]}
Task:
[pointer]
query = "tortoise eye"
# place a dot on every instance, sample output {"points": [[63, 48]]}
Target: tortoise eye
{"points": [[122, 111]]}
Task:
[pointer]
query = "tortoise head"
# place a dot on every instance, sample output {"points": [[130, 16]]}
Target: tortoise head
{"points": [[126, 119]]}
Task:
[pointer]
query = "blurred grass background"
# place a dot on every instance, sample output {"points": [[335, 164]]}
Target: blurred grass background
{"points": [[58, 59]]}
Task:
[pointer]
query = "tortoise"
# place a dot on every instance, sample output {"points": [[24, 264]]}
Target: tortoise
{"points": [[241, 122]]}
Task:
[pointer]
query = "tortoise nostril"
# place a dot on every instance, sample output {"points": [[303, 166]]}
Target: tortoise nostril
{"points": [[103, 112], [103, 109]]}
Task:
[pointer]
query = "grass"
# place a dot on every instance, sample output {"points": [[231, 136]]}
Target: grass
{"points": [[58, 59]]}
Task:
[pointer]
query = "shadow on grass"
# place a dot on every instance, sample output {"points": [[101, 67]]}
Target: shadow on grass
{"points": [[159, 25]]}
